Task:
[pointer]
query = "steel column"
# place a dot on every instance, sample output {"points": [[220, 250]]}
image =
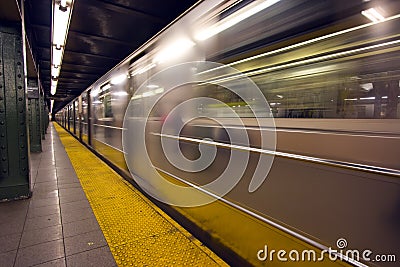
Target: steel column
{"points": [[14, 148], [42, 116], [46, 120], [35, 130]]}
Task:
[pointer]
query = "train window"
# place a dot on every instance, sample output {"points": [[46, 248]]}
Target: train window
{"points": [[102, 102], [107, 106], [352, 74]]}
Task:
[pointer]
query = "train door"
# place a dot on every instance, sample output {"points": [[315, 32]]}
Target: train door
{"points": [[89, 117], [73, 109], [69, 117]]}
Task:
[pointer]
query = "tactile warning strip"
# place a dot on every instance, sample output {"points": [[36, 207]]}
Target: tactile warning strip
{"points": [[138, 232]]}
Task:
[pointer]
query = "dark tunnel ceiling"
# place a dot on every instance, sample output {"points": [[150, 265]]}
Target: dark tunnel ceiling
{"points": [[101, 34]]}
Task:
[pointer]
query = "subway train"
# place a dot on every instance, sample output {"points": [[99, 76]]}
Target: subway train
{"points": [[272, 127]]}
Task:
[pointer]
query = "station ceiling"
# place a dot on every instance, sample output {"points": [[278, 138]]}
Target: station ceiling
{"points": [[101, 34]]}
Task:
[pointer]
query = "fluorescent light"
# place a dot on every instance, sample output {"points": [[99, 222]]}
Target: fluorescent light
{"points": [[55, 71], [120, 93], [61, 16], [104, 95], [60, 25], [152, 86], [279, 96], [95, 92], [367, 98], [373, 15], [63, 3], [51, 105], [177, 47], [118, 79], [350, 99], [235, 18], [367, 86], [384, 97], [105, 87], [146, 68], [57, 56], [143, 70], [53, 87]]}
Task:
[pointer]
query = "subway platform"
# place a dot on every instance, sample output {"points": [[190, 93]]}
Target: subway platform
{"points": [[82, 213]]}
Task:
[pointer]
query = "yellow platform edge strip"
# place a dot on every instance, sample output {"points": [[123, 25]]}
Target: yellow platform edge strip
{"points": [[136, 230]]}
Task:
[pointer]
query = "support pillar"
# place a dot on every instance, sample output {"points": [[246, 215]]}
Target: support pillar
{"points": [[378, 88], [45, 118], [42, 114], [14, 147], [393, 99], [34, 109]]}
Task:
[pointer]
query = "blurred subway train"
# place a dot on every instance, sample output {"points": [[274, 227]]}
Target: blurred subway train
{"points": [[295, 102]]}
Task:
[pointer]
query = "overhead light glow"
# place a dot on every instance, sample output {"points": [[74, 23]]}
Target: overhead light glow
{"points": [[95, 92], [61, 16], [235, 18], [120, 93], [53, 87], [367, 86], [373, 15], [105, 87], [63, 4], [177, 47], [51, 105], [118, 79], [157, 91], [55, 71], [57, 56], [60, 26], [143, 69]]}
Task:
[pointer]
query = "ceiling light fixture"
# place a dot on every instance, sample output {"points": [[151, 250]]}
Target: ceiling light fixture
{"points": [[143, 69], [53, 87], [120, 93], [373, 15], [177, 47], [105, 87], [233, 19], [61, 17], [55, 71], [51, 106], [118, 79]]}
